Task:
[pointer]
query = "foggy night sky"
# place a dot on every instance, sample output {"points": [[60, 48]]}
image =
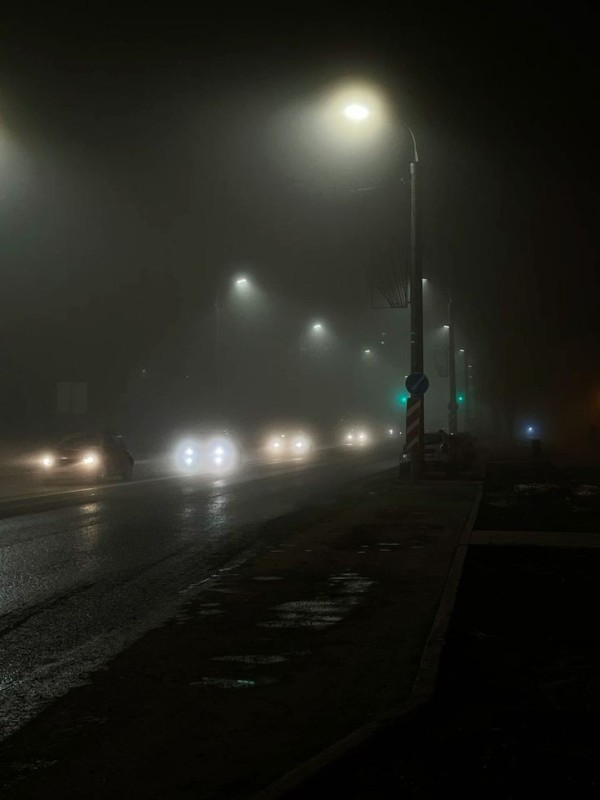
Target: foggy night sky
{"points": [[146, 162]]}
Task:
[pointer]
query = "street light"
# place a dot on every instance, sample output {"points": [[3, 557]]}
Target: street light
{"points": [[241, 282], [317, 326], [357, 112]]}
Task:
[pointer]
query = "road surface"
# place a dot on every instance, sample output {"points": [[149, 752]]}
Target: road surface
{"points": [[85, 571]]}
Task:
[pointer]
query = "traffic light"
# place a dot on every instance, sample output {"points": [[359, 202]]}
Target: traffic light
{"points": [[460, 399], [402, 399]]}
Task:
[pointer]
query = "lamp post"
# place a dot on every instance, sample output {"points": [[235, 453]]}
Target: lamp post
{"points": [[416, 301], [452, 405], [240, 282], [358, 112]]}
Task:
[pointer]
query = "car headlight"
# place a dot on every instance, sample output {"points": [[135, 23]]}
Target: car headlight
{"points": [[349, 437], [362, 436], [48, 461], [187, 455], [89, 459]]}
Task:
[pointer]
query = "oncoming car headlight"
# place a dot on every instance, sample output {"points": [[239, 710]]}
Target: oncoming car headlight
{"points": [[223, 455], [89, 459], [301, 445], [187, 456], [48, 461]]}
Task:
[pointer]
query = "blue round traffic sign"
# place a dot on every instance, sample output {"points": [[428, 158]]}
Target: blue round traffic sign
{"points": [[417, 383]]}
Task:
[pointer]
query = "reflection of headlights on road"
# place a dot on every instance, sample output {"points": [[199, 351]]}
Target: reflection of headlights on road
{"points": [[48, 461], [89, 459]]}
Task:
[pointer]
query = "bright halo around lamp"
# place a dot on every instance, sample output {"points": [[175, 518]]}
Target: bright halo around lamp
{"points": [[187, 456], [300, 445], [357, 112], [276, 445], [222, 455]]}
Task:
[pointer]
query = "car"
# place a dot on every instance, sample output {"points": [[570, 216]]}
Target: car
{"points": [[88, 457], [356, 437], [286, 445], [216, 452], [451, 452]]}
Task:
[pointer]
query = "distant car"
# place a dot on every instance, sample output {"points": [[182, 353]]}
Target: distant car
{"points": [[288, 445], [215, 453], [88, 457], [357, 437]]}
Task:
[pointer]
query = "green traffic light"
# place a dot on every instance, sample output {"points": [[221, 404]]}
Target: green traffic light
{"points": [[401, 399], [461, 398]]}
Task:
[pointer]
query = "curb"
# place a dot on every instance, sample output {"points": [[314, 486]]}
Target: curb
{"points": [[422, 688]]}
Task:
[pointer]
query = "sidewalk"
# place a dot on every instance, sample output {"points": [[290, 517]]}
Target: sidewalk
{"points": [[319, 632], [517, 700]]}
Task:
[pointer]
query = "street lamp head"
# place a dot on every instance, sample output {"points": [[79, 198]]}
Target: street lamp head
{"points": [[356, 112], [241, 282], [368, 350], [462, 350], [446, 327], [318, 326]]}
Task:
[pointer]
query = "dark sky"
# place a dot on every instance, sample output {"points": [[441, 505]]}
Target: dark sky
{"points": [[146, 161]]}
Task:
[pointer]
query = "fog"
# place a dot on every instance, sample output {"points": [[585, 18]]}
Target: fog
{"points": [[144, 171]]}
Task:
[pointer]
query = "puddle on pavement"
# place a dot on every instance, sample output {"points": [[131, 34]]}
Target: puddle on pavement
{"points": [[252, 660], [346, 590], [233, 683]]}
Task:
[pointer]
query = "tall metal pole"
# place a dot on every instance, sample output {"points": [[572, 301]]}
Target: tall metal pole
{"points": [[452, 405], [467, 401], [416, 303], [218, 354]]}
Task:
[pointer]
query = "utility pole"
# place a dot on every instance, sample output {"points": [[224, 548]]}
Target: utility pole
{"points": [[217, 355], [416, 306], [452, 405], [467, 401]]}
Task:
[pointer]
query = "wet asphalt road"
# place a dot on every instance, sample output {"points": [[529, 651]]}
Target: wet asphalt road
{"points": [[83, 573]]}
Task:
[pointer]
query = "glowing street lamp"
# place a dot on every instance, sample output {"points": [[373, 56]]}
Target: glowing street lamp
{"points": [[357, 112], [241, 282]]}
